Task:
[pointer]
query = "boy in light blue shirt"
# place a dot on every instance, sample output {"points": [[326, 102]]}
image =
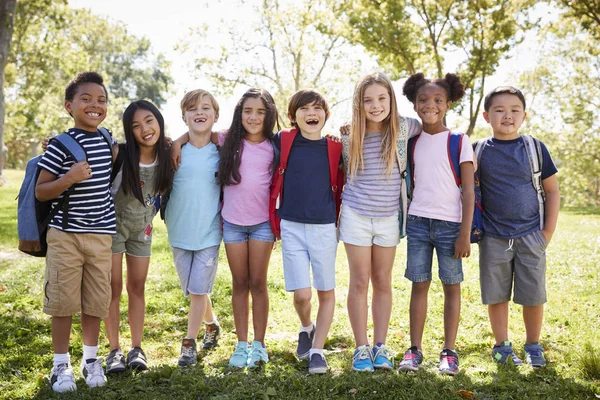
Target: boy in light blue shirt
{"points": [[193, 215]]}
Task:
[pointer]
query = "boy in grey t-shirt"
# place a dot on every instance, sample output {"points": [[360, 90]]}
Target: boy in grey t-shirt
{"points": [[512, 251]]}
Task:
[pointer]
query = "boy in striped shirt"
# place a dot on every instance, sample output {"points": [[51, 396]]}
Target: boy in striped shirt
{"points": [[78, 262]]}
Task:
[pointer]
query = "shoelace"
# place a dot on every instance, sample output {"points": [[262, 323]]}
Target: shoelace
{"points": [[363, 354], [210, 335], [240, 351], [535, 352], [187, 351], [61, 369], [385, 352], [95, 368], [449, 360]]}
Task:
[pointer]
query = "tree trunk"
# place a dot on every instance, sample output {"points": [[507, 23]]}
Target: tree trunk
{"points": [[7, 16]]}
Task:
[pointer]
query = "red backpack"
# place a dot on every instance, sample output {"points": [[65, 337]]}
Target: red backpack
{"points": [[336, 177]]}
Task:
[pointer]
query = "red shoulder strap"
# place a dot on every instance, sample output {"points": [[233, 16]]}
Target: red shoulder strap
{"points": [[287, 139], [334, 152]]}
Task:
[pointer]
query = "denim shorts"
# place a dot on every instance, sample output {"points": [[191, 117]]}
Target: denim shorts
{"points": [[196, 269], [358, 230], [424, 235], [306, 245], [233, 233], [518, 264]]}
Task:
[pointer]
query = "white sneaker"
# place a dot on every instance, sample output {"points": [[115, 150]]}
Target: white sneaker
{"points": [[92, 372], [61, 378]]}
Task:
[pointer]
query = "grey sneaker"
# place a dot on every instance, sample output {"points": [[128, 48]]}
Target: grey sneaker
{"points": [[534, 355], [189, 354], [115, 362], [92, 372], [136, 359], [61, 378], [317, 364], [211, 337], [501, 353], [305, 341]]}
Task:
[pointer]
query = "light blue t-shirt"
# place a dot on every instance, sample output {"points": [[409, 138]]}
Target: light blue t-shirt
{"points": [[193, 211]]}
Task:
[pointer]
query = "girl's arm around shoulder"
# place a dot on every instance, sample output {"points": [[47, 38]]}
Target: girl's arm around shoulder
{"points": [[462, 246], [414, 126], [550, 185]]}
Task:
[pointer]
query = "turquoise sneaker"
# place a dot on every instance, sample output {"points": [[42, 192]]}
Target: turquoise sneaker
{"points": [[363, 359], [239, 359], [258, 355], [382, 357]]}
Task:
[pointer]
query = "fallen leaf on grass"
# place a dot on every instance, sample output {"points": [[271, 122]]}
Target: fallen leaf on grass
{"points": [[466, 394], [353, 390], [3, 288]]}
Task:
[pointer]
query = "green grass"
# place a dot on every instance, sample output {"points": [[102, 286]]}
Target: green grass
{"points": [[572, 319]]}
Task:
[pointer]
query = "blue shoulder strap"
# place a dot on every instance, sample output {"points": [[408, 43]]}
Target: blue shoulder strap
{"points": [[454, 150], [72, 147]]}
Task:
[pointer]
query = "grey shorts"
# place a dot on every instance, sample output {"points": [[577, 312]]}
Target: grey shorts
{"points": [[523, 263], [134, 234], [196, 269]]}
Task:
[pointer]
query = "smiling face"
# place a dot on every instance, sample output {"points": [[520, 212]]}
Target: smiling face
{"points": [[253, 119], [376, 105], [310, 119], [431, 105], [145, 127], [88, 107], [201, 117], [506, 114]]}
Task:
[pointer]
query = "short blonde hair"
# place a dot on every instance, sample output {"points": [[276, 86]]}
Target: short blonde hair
{"points": [[192, 98]]}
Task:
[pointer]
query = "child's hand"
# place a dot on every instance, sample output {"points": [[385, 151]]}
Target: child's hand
{"points": [[168, 142], [175, 157], [547, 235], [345, 129], [336, 139], [45, 143], [79, 172], [462, 247]]}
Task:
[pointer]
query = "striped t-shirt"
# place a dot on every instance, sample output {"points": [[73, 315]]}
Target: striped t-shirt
{"points": [[371, 192], [90, 208]]}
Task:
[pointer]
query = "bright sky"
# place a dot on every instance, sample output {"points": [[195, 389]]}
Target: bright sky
{"points": [[165, 25]]}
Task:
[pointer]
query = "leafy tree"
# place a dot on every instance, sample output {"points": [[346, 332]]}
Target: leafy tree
{"points": [[292, 45], [7, 11], [51, 44], [585, 11], [419, 35]]}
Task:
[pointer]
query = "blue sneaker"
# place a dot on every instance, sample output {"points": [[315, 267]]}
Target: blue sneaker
{"points": [[448, 362], [239, 359], [502, 352], [382, 357], [363, 359], [305, 341], [258, 355], [412, 360], [317, 364], [534, 355]]}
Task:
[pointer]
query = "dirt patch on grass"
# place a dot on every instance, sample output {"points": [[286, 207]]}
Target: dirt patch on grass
{"points": [[11, 255]]}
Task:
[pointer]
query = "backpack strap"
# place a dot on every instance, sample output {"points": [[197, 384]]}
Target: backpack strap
{"points": [[276, 156], [412, 144], [118, 162], [534, 154], [454, 150], [402, 148], [334, 152], [287, 139], [478, 147]]}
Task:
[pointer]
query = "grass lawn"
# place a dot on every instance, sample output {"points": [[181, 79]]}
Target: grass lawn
{"points": [[572, 320]]}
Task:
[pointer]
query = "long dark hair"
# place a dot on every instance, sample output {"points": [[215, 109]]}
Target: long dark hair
{"points": [[131, 162], [231, 151]]}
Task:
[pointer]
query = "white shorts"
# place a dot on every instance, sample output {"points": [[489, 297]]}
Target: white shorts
{"points": [[358, 230]]}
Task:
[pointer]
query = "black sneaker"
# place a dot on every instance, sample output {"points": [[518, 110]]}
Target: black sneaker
{"points": [[211, 337], [189, 354], [136, 359], [317, 364], [305, 341], [115, 362]]}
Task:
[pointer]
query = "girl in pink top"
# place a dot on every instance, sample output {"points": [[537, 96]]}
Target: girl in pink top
{"points": [[245, 171]]}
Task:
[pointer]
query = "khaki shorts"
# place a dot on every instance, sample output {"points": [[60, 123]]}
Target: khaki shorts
{"points": [[77, 274], [521, 262], [134, 234]]}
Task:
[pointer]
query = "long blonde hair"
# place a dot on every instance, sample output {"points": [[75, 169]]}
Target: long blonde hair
{"points": [[389, 131]]}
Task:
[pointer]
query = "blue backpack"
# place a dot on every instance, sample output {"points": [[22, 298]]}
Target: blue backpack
{"points": [[454, 150], [33, 216]]}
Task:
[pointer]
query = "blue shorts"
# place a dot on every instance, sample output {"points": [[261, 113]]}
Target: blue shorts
{"points": [[233, 233], [424, 235], [196, 269], [306, 245]]}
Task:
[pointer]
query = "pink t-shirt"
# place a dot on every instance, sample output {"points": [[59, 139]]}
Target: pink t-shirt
{"points": [[247, 203], [436, 195]]}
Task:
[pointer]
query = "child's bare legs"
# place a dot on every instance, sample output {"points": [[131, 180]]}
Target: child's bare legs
{"points": [[359, 261], [302, 298], [451, 314], [196, 314], [381, 277], [137, 272], [499, 321], [112, 321], [418, 312], [324, 317], [533, 316], [237, 257], [209, 315], [61, 333], [90, 327]]}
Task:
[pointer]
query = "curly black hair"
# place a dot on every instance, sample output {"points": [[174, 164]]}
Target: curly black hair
{"points": [[80, 79], [451, 83]]}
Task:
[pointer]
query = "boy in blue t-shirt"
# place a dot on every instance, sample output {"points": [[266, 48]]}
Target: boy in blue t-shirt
{"points": [[512, 252], [78, 262], [308, 225]]}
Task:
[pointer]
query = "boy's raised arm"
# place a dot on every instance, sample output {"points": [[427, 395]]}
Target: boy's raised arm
{"points": [[550, 185]]}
